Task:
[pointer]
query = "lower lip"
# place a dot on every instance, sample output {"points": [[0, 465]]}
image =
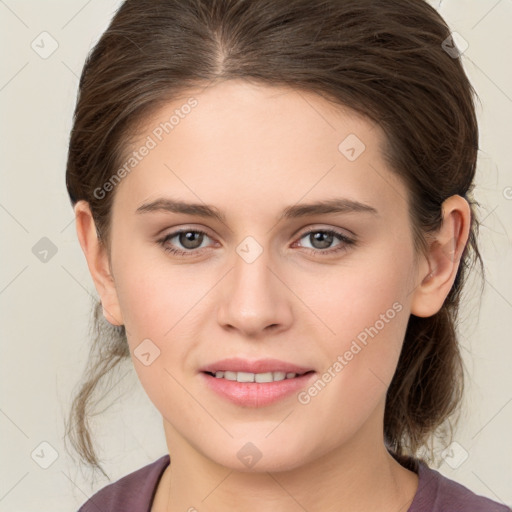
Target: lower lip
{"points": [[256, 394]]}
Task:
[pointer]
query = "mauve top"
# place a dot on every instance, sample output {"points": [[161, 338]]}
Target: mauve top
{"points": [[436, 493]]}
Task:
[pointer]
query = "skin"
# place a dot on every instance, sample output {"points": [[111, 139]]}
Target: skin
{"points": [[251, 151]]}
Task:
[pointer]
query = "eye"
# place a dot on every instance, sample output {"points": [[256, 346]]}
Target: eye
{"points": [[321, 239], [190, 239]]}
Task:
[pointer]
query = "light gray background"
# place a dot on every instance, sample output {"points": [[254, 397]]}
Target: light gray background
{"points": [[45, 305]]}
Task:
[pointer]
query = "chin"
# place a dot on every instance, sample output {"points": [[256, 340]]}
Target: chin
{"points": [[255, 458]]}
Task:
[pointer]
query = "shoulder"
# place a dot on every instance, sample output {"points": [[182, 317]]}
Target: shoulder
{"points": [[437, 493], [132, 492]]}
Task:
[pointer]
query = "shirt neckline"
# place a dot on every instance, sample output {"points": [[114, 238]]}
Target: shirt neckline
{"points": [[418, 466]]}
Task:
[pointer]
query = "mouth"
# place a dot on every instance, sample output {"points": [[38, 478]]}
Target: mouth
{"points": [[264, 377], [259, 383]]}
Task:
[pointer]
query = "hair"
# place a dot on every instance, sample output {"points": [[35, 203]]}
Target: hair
{"points": [[383, 59]]}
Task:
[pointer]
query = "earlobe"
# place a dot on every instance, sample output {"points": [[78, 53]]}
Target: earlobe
{"points": [[96, 255], [443, 258]]}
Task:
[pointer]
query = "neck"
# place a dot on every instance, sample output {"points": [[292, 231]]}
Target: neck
{"points": [[361, 475]]}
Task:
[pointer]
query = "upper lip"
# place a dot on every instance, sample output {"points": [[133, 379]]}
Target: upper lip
{"points": [[236, 364]]}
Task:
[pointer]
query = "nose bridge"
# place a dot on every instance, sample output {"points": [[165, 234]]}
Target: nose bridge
{"points": [[254, 298]]}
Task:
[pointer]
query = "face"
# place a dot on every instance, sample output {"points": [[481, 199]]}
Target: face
{"points": [[327, 290]]}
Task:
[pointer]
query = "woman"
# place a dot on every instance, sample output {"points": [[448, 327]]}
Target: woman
{"points": [[274, 201]]}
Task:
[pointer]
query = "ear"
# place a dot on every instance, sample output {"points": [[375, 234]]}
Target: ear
{"points": [[437, 272], [96, 255]]}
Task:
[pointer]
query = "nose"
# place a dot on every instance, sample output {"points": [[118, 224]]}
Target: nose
{"points": [[255, 301]]}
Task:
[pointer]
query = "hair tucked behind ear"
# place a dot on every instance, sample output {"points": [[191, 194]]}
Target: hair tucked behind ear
{"points": [[383, 59]]}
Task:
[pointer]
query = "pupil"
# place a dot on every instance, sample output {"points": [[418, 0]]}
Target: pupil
{"points": [[189, 241], [325, 240]]}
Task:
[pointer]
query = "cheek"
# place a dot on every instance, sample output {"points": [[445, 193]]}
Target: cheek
{"points": [[367, 310], [361, 294], [156, 295], [161, 303]]}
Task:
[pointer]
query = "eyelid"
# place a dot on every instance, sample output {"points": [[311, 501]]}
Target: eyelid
{"points": [[177, 231], [345, 242], [339, 231], [345, 232], [182, 227]]}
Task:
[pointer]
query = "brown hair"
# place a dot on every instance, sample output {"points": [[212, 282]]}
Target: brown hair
{"points": [[382, 59]]}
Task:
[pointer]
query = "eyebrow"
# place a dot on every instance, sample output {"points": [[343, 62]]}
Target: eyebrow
{"points": [[336, 205]]}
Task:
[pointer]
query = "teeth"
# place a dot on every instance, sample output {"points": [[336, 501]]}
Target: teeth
{"points": [[254, 377], [244, 376], [267, 377]]}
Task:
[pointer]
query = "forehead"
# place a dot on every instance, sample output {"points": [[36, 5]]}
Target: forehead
{"points": [[253, 147]]}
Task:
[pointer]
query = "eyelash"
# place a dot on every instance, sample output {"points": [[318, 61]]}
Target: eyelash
{"points": [[346, 241]]}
